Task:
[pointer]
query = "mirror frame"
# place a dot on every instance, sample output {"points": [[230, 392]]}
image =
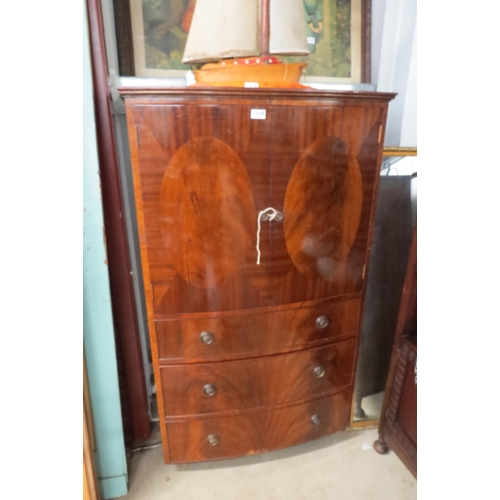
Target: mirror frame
{"points": [[373, 423]]}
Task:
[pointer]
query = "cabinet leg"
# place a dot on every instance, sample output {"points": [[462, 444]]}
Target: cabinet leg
{"points": [[359, 413], [381, 447]]}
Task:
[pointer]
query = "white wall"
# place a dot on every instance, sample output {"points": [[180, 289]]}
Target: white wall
{"points": [[378, 11], [394, 66], [409, 122]]}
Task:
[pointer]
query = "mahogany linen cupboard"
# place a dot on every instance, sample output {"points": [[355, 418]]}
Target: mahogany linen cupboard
{"points": [[254, 210]]}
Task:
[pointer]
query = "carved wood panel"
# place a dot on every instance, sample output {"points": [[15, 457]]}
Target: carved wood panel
{"points": [[402, 418]]}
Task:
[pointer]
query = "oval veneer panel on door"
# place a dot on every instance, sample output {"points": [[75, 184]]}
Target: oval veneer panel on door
{"points": [[322, 207], [207, 212]]}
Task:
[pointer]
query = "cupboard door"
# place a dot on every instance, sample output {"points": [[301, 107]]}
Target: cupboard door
{"points": [[324, 166], [204, 172]]}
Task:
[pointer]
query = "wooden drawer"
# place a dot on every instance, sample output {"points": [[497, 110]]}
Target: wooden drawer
{"points": [[262, 382], [255, 332], [256, 431]]}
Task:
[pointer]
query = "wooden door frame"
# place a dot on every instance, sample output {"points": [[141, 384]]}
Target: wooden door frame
{"points": [[125, 317]]}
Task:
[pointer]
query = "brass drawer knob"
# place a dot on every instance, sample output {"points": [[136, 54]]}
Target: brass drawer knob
{"points": [[209, 389], [316, 419], [213, 439], [319, 371], [321, 321], [207, 337]]}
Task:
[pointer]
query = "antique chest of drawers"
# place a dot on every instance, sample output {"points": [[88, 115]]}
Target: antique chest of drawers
{"points": [[254, 209]]}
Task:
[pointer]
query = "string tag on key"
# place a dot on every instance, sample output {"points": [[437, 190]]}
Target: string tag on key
{"points": [[268, 214]]}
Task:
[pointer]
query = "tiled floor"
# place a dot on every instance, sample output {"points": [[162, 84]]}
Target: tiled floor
{"points": [[343, 466]]}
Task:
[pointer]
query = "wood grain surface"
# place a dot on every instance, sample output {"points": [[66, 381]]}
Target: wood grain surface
{"points": [[207, 212], [261, 382], [322, 208], [203, 170], [257, 431], [269, 150], [249, 333]]}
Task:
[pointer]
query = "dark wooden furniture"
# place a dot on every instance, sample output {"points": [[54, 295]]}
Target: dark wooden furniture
{"points": [[252, 356], [133, 393], [398, 422]]}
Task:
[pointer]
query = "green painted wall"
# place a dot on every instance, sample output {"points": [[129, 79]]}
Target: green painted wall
{"points": [[98, 333]]}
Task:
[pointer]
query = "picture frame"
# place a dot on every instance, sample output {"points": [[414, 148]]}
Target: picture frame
{"points": [[151, 36], [341, 52]]}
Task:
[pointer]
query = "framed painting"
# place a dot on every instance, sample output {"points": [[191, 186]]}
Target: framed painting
{"points": [[152, 34], [338, 36]]}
